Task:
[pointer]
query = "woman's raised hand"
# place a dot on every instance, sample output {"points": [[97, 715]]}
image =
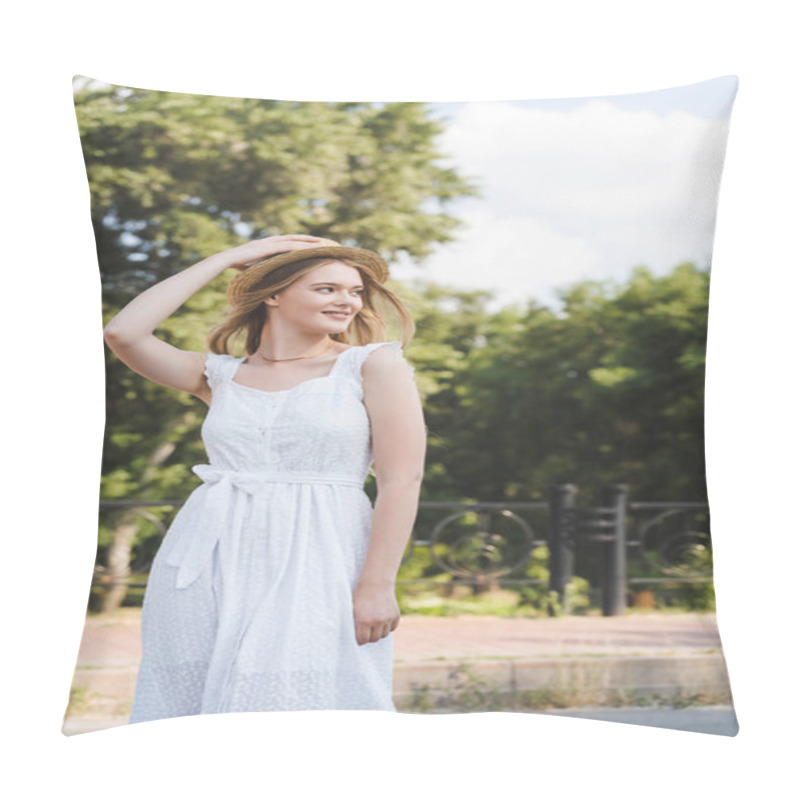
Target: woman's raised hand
{"points": [[250, 252], [130, 333]]}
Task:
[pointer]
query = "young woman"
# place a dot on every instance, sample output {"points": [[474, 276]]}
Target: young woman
{"points": [[274, 586]]}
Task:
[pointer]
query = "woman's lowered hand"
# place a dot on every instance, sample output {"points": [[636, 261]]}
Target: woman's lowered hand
{"points": [[375, 612]]}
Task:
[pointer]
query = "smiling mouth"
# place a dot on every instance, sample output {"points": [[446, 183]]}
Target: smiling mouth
{"points": [[341, 314]]}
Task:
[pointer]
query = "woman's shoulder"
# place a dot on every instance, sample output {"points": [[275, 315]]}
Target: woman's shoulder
{"points": [[219, 366], [380, 356], [217, 361], [358, 352], [370, 346], [364, 350], [222, 358]]}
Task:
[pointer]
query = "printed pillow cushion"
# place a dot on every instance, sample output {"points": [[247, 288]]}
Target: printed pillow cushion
{"points": [[555, 256]]}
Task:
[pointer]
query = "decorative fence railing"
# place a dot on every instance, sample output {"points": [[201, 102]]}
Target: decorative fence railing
{"points": [[623, 546]]}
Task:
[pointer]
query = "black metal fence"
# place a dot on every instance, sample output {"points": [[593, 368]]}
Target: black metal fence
{"points": [[620, 547]]}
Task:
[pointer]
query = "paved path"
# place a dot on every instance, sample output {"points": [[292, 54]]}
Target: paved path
{"points": [[718, 720], [113, 641], [422, 638]]}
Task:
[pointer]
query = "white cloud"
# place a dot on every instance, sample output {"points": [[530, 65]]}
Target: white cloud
{"points": [[582, 193], [517, 257]]}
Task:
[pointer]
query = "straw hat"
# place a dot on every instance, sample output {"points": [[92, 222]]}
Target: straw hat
{"points": [[248, 279]]}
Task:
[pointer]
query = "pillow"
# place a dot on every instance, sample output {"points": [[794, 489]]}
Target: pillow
{"points": [[552, 260]]}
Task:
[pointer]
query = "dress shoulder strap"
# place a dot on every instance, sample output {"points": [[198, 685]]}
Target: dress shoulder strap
{"points": [[358, 355], [219, 367]]}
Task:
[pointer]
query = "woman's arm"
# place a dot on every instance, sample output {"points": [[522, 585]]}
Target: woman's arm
{"points": [[398, 444], [130, 333]]}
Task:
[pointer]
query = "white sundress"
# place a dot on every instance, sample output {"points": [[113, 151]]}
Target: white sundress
{"points": [[249, 601]]}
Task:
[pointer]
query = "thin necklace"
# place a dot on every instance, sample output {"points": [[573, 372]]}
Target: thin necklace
{"points": [[296, 358]]}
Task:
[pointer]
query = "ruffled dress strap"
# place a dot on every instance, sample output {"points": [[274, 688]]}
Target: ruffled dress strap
{"points": [[359, 354], [220, 367]]}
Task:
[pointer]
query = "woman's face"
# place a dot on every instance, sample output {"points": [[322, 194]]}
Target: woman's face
{"points": [[326, 298]]}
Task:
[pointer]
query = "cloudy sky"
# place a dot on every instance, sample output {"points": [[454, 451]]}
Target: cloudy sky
{"points": [[584, 188]]}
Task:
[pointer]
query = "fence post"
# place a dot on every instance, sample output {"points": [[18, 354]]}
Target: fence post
{"points": [[615, 496], [562, 552]]}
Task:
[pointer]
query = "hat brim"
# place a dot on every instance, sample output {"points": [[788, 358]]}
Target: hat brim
{"points": [[248, 278]]}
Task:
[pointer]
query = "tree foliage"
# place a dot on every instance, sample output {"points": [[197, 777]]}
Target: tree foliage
{"points": [[608, 390], [176, 177]]}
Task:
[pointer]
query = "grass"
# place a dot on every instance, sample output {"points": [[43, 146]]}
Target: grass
{"points": [[497, 603], [78, 700], [446, 601], [459, 600], [465, 691], [84, 704]]}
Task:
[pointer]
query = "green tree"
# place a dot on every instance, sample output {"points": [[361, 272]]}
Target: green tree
{"points": [[610, 389], [175, 177]]}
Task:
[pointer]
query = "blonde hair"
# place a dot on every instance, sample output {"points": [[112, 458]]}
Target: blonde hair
{"points": [[248, 313]]}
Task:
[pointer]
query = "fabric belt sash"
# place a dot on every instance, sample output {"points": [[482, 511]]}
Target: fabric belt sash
{"points": [[227, 490]]}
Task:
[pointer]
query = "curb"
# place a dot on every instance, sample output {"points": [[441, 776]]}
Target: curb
{"points": [[564, 681]]}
